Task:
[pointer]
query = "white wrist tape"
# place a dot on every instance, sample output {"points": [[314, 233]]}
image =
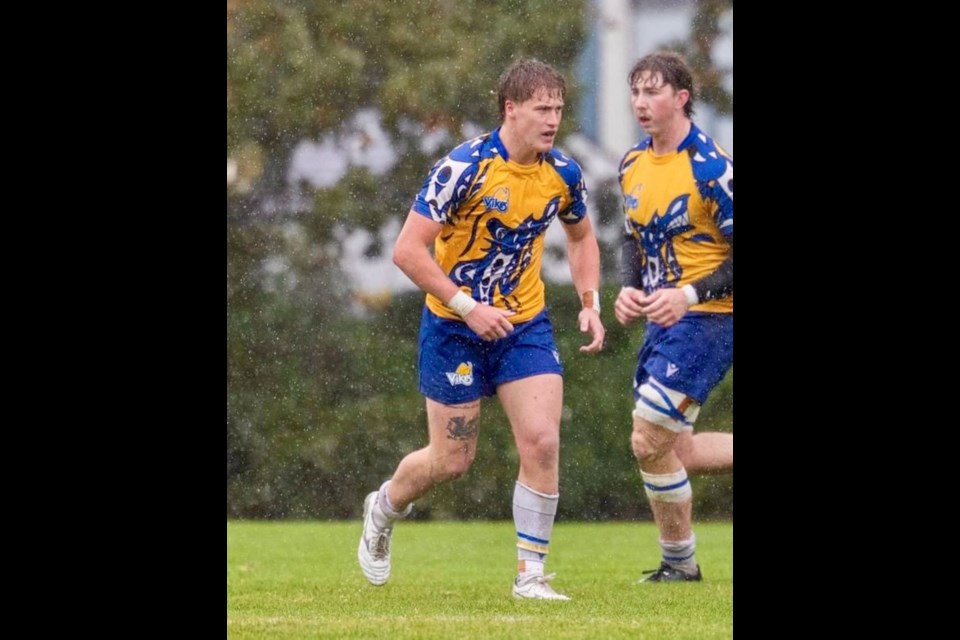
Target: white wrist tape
{"points": [[591, 300], [691, 294], [461, 304]]}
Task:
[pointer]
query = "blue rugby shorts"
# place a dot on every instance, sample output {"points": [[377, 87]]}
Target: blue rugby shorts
{"points": [[456, 365], [691, 357]]}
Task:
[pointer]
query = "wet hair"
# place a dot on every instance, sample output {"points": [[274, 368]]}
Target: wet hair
{"points": [[672, 68], [524, 78]]}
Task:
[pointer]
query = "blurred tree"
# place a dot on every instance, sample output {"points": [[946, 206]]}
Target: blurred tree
{"points": [[298, 69], [705, 28]]}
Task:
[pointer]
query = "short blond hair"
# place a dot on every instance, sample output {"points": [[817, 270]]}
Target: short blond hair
{"points": [[524, 78]]}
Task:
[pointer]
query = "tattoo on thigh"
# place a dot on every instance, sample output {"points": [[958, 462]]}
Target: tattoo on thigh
{"points": [[460, 428]]}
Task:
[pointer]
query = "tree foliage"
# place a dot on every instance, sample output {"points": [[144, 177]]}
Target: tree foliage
{"points": [[705, 28], [298, 69]]}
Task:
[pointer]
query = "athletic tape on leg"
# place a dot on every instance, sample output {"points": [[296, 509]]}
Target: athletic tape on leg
{"points": [[662, 405], [667, 487]]}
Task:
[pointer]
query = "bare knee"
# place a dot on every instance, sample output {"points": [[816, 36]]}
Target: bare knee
{"points": [[650, 442], [541, 447], [643, 449], [452, 465]]}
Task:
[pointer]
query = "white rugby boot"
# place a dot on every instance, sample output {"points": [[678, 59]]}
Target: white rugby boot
{"points": [[535, 587], [374, 550]]}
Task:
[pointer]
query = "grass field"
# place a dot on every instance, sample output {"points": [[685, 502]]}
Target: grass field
{"points": [[452, 580]]}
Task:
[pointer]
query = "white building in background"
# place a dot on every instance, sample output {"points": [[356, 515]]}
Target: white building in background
{"points": [[624, 31]]}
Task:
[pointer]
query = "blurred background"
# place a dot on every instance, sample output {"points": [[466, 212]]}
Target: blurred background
{"points": [[335, 113]]}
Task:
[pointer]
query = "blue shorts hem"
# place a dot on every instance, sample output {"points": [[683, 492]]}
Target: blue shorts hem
{"points": [[436, 397], [526, 374]]}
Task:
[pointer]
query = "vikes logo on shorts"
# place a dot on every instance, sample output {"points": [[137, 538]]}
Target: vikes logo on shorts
{"points": [[463, 375]]}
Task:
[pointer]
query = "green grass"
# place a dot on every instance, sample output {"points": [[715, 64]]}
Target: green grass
{"points": [[452, 580]]}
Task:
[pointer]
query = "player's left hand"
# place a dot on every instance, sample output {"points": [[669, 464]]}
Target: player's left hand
{"points": [[590, 323], [665, 306]]}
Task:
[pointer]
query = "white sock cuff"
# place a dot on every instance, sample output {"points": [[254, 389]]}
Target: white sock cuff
{"points": [[553, 496], [387, 507], [527, 498], [678, 545]]}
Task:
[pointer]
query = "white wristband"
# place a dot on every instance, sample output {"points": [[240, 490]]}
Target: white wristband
{"points": [[591, 299], [691, 294], [461, 304]]}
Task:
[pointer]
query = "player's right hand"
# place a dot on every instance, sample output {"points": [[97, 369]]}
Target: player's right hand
{"points": [[628, 306], [490, 323]]}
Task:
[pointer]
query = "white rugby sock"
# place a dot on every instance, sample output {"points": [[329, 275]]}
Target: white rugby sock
{"points": [[681, 554], [384, 512], [533, 515]]}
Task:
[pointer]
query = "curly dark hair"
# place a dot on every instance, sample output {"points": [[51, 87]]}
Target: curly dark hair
{"points": [[672, 68]]}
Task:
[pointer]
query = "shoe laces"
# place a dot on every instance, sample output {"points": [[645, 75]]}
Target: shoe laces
{"points": [[381, 544], [663, 568], [539, 579]]}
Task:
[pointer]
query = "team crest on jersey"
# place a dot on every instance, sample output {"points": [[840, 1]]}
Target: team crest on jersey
{"points": [[499, 201], [632, 199], [463, 375]]}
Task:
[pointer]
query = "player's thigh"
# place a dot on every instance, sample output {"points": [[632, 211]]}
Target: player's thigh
{"points": [[533, 405], [452, 425], [683, 445]]}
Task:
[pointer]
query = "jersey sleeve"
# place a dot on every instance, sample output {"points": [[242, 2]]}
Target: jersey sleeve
{"points": [[572, 175], [448, 183], [444, 189], [713, 171]]}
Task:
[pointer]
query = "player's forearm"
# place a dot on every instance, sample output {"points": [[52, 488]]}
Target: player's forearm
{"points": [[719, 284], [630, 263], [417, 264], [583, 254]]}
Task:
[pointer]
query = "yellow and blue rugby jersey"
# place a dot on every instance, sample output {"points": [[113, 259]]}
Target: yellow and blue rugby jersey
{"points": [[678, 207], [495, 213]]}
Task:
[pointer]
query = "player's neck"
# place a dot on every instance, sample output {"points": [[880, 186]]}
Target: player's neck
{"points": [[516, 150], [670, 138]]}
